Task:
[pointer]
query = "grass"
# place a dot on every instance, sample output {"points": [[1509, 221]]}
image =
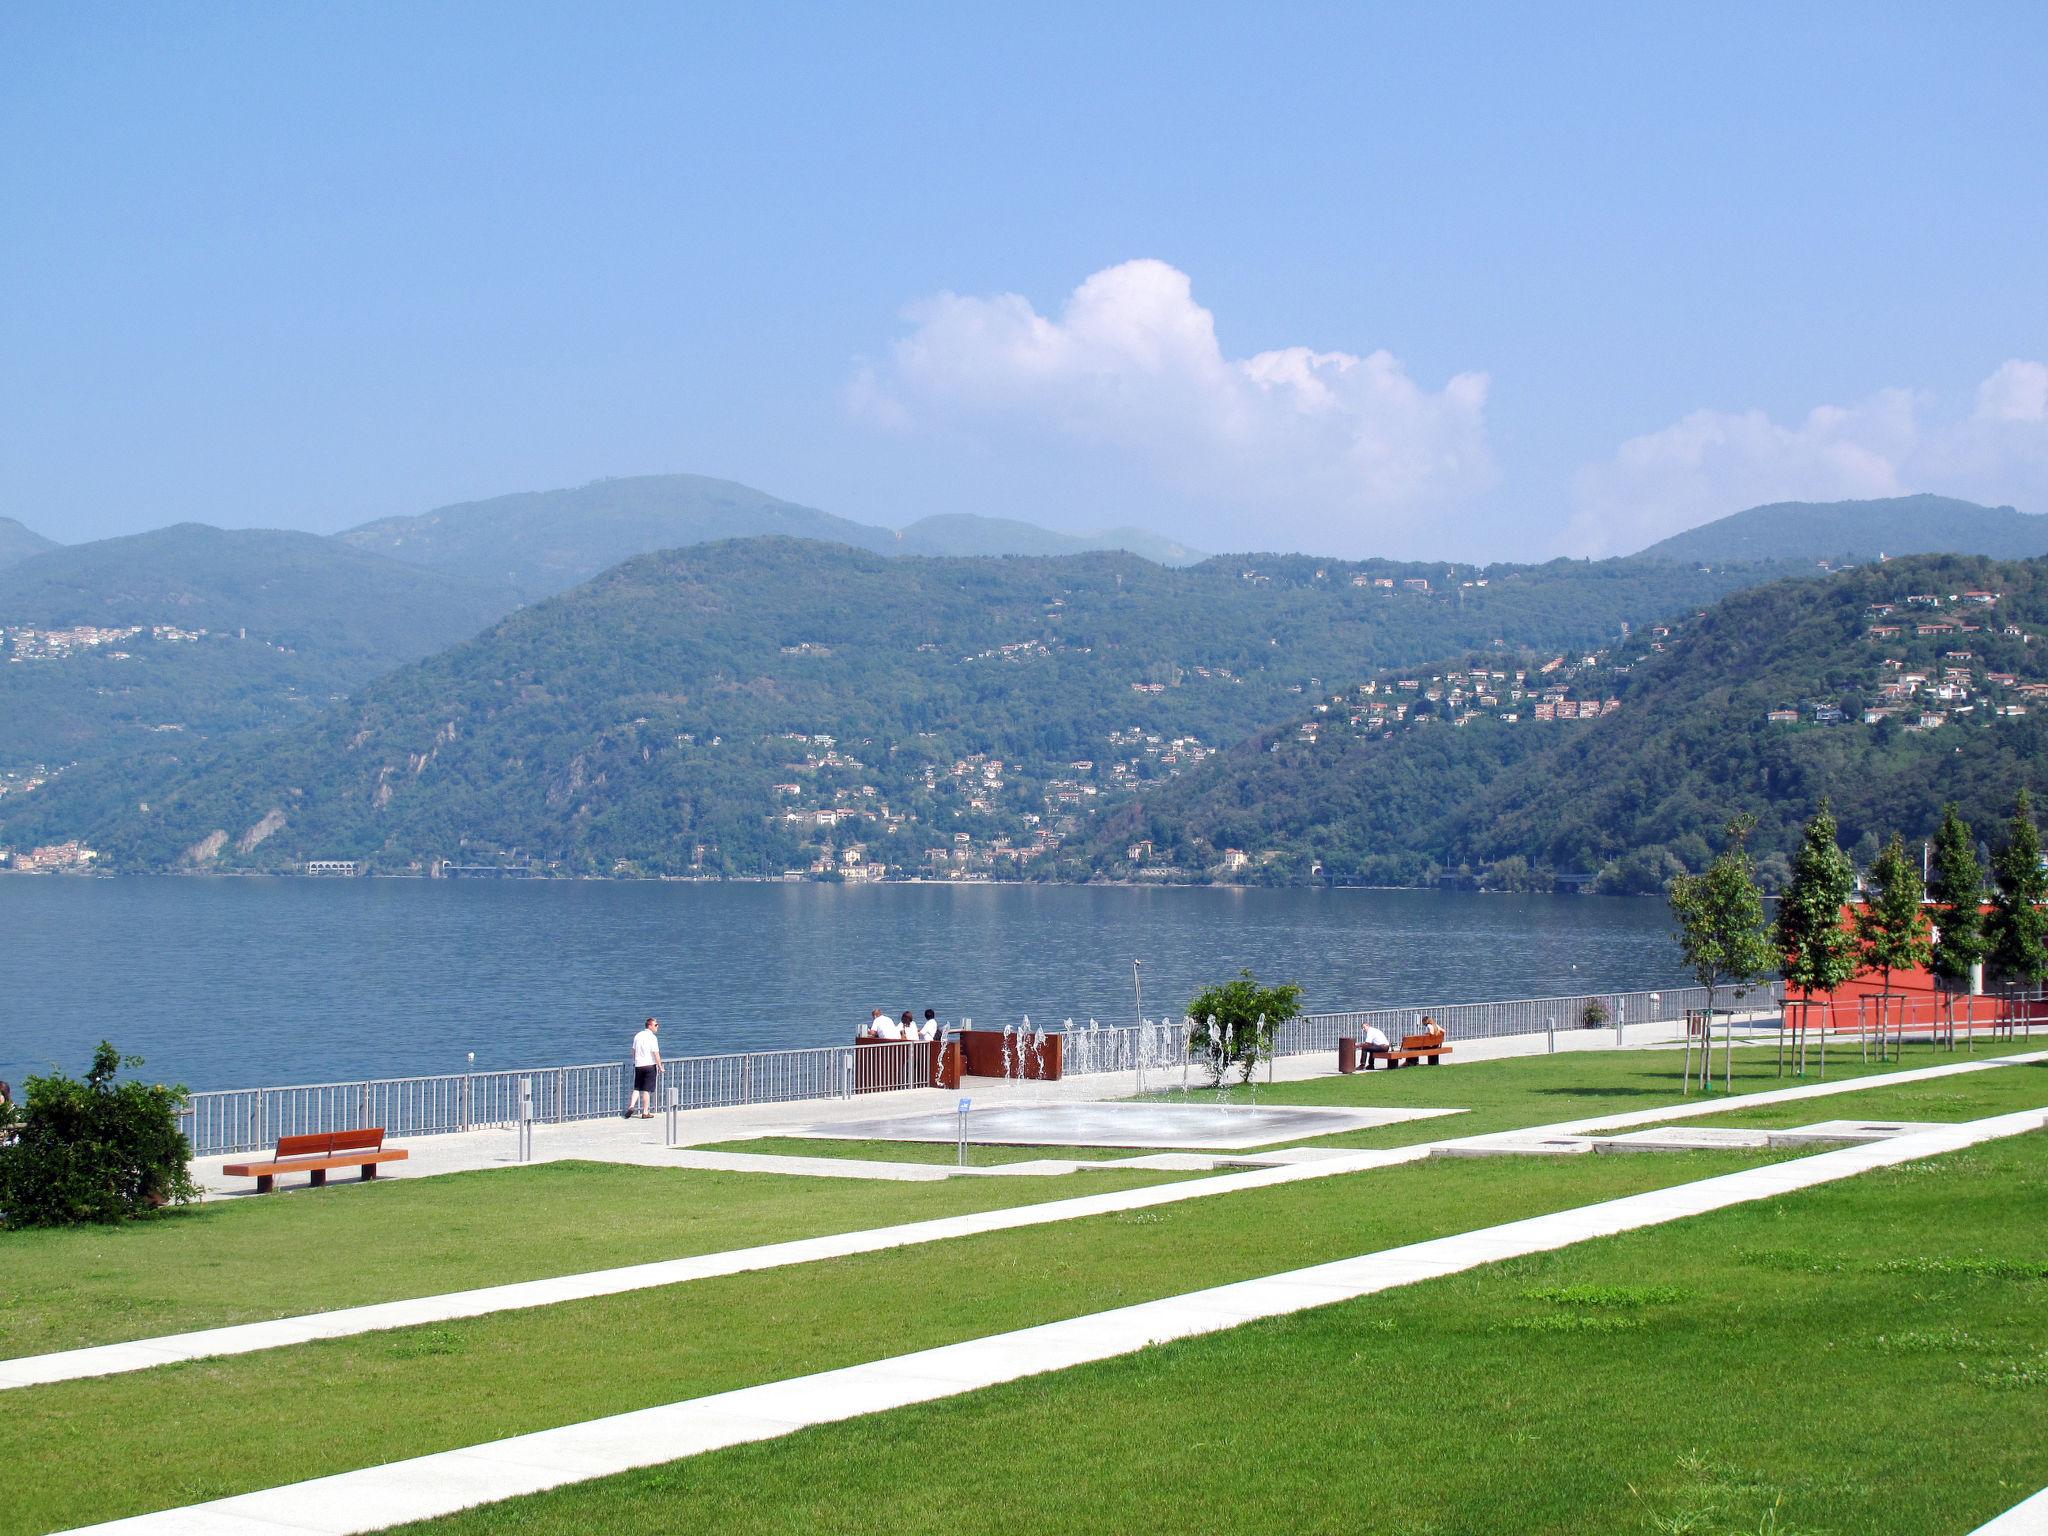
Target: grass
{"points": [[1970, 1096], [235, 1261], [1864, 1359], [96, 1449]]}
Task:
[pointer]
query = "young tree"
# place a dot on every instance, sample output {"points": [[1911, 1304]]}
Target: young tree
{"points": [[1721, 933], [1818, 953], [1957, 891], [1891, 925], [1234, 1023], [2018, 931]]}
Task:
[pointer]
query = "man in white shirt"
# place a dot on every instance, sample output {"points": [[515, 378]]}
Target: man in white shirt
{"points": [[882, 1027], [646, 1070], [1374, 1042]]}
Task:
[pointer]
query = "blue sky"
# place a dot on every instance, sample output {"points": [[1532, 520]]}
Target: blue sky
{"points": [[1452, 280]]}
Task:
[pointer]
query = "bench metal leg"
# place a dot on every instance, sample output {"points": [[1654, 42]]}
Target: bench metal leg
{"points": [[265, 1183], [318, 1176], [369, 1170]]}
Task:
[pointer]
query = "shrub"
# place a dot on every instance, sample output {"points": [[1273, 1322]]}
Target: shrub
{"points": [[97, 1150], [1234, 1023], [1594, 1014]]}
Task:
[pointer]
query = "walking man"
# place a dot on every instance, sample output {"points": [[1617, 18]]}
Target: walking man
{"points": [[646, 1070]]}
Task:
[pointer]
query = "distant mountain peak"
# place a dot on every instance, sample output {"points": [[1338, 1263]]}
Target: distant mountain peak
{"points": [[19, 543], [542, 542], [1922, 524]]}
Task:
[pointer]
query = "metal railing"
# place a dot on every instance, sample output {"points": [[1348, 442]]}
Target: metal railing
{"points": [[249, 1119], [1525, 1015]]}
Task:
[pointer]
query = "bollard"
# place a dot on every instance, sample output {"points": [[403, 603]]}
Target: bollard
{"points": [[675, 1109], [965, 1105], [1550, 1029], [526, 1119]]}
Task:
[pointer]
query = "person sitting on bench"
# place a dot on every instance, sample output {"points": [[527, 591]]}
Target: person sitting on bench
{"points": [[1373, 1042]]}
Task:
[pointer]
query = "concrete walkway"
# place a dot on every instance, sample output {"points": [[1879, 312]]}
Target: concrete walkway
{"points": [[643, 1143], [247, 1338], [442, 1484]]}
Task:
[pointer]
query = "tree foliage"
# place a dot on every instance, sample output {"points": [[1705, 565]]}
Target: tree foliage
{"points": [[1892, 923], [1818, 954], [2018, 929], [100, 1150], [1234, 1023], [1956, 888]]}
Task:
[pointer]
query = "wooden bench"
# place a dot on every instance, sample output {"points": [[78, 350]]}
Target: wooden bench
{"points": [[1414, 1048], [314, 1155]]}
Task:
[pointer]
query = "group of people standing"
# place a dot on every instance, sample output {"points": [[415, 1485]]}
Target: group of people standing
{"points": [[881, 1027]]}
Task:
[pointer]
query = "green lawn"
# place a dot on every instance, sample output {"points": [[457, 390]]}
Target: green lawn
{"points": [[92, 1450], [232, 1261], [1865, 1359], [1970, 1096]]}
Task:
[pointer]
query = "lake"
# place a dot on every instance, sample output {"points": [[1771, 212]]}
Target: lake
{"points": [[243, 982]]}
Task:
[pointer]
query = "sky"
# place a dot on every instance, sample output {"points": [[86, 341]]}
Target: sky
{"points": [[1457, 281]]}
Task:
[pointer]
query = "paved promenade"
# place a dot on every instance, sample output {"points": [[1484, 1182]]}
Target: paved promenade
{"points": [[644, 1142]]}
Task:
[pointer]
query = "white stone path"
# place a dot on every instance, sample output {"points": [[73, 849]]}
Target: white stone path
{"points": [[444, 1483], [247, 1338]]}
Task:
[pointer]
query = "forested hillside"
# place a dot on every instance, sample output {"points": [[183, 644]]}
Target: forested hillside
{"points": [[1890, 689], [124, 645], [767, 704]]}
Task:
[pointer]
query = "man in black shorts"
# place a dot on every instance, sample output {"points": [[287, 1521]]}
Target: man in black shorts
{"points": [[646, 1070]]}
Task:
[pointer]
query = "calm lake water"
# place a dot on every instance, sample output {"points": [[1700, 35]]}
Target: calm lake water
{"points": [[236, 983]]}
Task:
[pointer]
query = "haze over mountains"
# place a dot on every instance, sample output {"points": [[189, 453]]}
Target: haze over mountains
{"points": [[541, 542], [1860, 530]]}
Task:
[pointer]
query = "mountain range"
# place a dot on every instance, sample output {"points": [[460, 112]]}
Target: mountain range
{"points": [[538, 543], [738, 707]]}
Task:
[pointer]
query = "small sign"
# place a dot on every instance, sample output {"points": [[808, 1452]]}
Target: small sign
{"points": [[966, 1105]]}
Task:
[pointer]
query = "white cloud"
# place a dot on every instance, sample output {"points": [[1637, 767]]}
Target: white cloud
{"points": [[1710, 463], [1330, 449]]}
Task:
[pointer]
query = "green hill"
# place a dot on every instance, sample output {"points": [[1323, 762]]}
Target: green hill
{"points": [[1860, 531], [195, 631], [18, 543], [744, 706], [1896, 705], [539, 543]]}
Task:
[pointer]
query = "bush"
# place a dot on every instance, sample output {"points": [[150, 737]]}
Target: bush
{"points": [[1594, 1014], [1234, 1023], [97, 1150]]}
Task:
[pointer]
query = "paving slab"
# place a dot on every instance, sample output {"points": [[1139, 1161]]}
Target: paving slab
{"points": [[1515, 1145], [449, 1481], [1822, 1132], [1684, 1138]]}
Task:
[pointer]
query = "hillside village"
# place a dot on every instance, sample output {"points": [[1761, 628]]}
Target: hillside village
{"points": [[1941, 660]]}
